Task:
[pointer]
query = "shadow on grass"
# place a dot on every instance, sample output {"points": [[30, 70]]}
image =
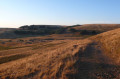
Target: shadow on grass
{"points": [[11, 58], [90, 69], [93, 70], [4, 48]]}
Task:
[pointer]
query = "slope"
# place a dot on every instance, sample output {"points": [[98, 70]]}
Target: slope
{"points": [[68, 59], [98, 27]]}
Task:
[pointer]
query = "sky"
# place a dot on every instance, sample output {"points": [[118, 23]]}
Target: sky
{"points": [[16, 13]]}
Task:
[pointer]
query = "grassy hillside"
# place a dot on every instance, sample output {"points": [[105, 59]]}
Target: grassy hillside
{"points": [[91, 29], [98, 27], [110, 42], [42, 30], [60, 57]]}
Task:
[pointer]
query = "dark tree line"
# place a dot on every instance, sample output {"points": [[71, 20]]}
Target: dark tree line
{"points": [[40, 30], [51, 29], [85, 32], [89, 32]]}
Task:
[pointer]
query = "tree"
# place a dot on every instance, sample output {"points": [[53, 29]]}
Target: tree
{"points": [[73, 30]]}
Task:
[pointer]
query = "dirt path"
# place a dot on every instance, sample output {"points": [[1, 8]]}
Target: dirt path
{"points": [[93, 64]]}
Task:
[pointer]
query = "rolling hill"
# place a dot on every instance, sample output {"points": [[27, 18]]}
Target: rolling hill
{"points": [[43, 30], [96, 57], [98, 27]]}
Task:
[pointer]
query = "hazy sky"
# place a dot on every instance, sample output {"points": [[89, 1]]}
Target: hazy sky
{"points": [[14, 13]]}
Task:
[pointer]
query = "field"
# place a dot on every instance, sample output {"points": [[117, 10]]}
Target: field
{"points": [[62, 56]]}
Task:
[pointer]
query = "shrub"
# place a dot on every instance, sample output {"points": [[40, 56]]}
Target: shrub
{"points": [[73, 30]]}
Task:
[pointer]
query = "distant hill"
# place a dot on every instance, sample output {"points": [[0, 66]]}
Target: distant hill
{"points": [[98, 27], [31, 30], [2, 30], [40, 30]]}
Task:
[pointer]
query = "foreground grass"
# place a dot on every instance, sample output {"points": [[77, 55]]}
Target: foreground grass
{"points": [[11, 58], [4, 48], [46, 45], [7, 48]]}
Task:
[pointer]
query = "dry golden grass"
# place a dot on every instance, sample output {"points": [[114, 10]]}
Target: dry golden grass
{"points": [[110, 43], [98, 27], [90, 58], [41, 62]]}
